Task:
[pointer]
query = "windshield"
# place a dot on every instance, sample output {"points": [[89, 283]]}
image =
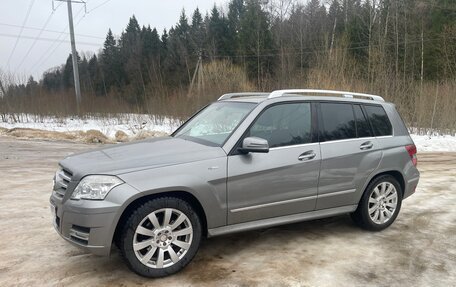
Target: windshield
{"points": [[215, 123]]}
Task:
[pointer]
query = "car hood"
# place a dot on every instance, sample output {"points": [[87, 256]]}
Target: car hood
{"points": [[151, 153]]}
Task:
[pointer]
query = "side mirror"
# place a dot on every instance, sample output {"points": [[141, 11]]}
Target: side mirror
{"points": [[254, 144]]}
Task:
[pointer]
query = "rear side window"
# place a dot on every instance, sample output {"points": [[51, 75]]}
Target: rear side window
{"points": [[362, 124], [284, 125], [337, 122], [379, 120]]}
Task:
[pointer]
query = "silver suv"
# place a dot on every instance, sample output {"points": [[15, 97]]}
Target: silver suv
{"points": [[247, 161]]}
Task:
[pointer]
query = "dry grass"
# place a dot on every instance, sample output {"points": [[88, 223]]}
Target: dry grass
{"points": [[148, 134], [90, 136], [121, 136], [428, 107], [218, 77]]}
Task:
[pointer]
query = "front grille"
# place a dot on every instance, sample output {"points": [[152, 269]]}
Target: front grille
{"points": [[62, 179]]}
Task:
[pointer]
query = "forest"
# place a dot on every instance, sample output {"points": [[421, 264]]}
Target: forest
{"points": [[403, 50]]}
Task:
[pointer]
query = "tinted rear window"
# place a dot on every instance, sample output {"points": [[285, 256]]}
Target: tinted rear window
{"points": [[379, 120], [362, 124], [338, 122]]}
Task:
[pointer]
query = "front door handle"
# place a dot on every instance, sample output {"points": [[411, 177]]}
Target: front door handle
{"points": [[308, 155], [366, 145]]}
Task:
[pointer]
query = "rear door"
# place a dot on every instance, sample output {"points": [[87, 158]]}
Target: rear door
{"points": [[349, 152], [283, 181]]}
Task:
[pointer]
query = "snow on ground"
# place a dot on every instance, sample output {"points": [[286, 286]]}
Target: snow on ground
{"points": [[426, 143], [133, 124]]}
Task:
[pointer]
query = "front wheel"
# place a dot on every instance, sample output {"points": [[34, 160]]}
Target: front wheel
{"points": [[380, 204], [160, 237]]}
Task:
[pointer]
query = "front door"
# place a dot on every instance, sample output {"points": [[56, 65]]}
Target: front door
{"points": [[283, 181]]}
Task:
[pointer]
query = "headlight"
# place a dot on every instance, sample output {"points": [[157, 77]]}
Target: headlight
{"points": [[95, 187]]}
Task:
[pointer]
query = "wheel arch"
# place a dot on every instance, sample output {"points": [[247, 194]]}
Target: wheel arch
{"points": [[360, 217], [184, 195], [394, 173]]}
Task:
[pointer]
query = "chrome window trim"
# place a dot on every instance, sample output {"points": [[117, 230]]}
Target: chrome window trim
{"points": [[347, 140], [291, 146]]}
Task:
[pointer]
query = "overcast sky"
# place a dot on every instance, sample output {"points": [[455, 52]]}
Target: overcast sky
{"points": [[91, 28]]}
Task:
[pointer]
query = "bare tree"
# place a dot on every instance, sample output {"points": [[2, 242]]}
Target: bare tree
{"points": [[2, 88], [279, 12]]}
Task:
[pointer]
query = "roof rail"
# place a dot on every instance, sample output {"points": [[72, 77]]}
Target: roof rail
{"points": [[239, 95], [280, 93]]}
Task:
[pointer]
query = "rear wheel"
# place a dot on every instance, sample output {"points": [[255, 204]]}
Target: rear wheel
{"points": [[160, 237], [380, 204]]}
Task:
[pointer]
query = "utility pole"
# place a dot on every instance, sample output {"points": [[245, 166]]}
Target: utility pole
{"points": [[198, 75], [74, 55]]}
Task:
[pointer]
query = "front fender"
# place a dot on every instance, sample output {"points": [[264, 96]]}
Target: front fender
{"points": [[205, 180]]}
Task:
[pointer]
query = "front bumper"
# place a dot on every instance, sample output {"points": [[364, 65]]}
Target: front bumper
{"points": [[90, 224]]}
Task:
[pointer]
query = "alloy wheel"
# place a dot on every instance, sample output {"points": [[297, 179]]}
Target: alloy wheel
{"points": [[162, 238], [382, 202]]}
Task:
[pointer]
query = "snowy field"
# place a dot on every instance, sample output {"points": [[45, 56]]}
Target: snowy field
{"points": [[133, 124], [434, 143]]}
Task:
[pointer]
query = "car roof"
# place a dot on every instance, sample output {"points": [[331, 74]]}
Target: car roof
{"points": [[296, 97], [250, 99]]}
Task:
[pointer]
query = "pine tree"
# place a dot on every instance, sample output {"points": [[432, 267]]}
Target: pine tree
{"points": [[67, 73], [197, 33], [256, 41], [132, 64], [236, 10], [111, 67], [218, 34]]}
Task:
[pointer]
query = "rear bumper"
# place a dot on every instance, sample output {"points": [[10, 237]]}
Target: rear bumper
{"points": [[410, 186]]}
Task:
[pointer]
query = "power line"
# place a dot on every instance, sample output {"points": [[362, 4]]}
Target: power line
{"points": [[50, 31], [45, 39], [37, 37], [79, 21], [321, 50], [48, 53], [20, 33], [40, 62], [98, 6]]}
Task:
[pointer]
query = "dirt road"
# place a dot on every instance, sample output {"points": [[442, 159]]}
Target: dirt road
{"points": [[419, 249]]}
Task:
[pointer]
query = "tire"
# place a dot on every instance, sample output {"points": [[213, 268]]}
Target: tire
{"points": [[378, 207], [152, 248]]}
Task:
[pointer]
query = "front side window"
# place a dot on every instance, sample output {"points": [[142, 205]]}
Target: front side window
{"points": [[284, 125], [337, 122], [215, 123], [379, 120]]}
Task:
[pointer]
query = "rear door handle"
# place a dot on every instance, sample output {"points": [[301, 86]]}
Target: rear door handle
{"points": [[366, 145], [308, 155]]}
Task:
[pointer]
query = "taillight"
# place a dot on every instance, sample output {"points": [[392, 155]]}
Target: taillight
{"points": [[411, 149]]}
